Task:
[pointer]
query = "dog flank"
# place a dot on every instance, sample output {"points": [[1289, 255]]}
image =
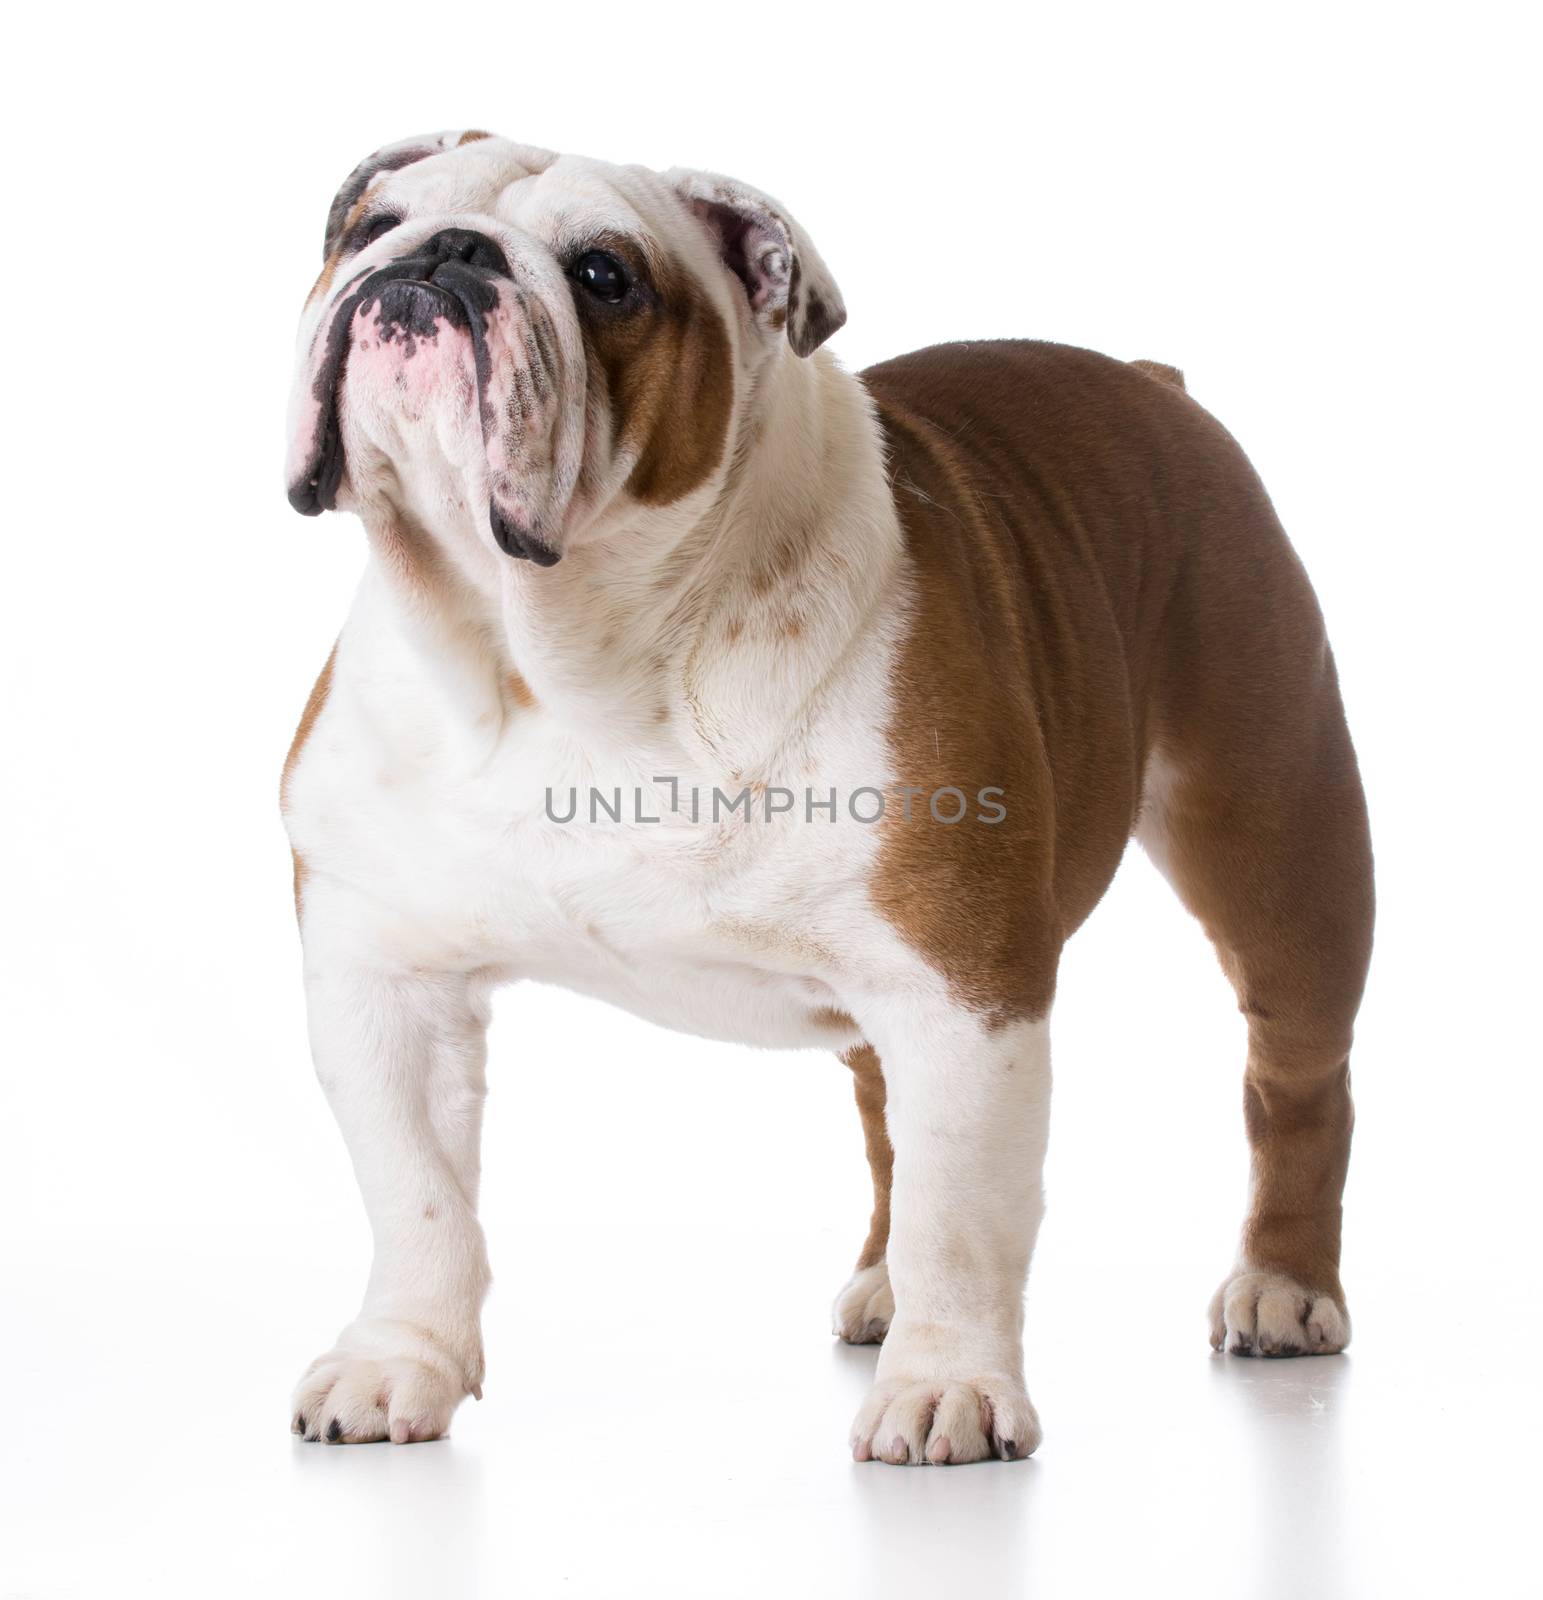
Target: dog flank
{"points": [[1021, 589]]}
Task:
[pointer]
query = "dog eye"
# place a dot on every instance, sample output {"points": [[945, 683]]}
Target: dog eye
{"points": [[602, 275], [370, 231]]}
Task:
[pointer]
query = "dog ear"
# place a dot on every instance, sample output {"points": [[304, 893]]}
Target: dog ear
{"points": [[771, 255], [389, 158]]}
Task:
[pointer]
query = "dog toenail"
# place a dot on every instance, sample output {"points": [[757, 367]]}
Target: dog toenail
{"points": [[334, 1431]]}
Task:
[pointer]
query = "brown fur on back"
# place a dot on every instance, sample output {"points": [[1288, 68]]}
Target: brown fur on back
{"points": [[1041, 552], [1097, 570], [1162, 372]]}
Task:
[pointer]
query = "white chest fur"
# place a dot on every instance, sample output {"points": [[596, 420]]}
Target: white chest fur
{"points": [[708, 899]]}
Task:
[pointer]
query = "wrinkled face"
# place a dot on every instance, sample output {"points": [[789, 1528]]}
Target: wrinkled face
{"points": [[529, 344]]}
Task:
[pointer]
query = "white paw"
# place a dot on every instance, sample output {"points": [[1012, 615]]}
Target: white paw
{"points": [[1267, 1314], [863, 1310], [384, 1381], [942, 1421]]}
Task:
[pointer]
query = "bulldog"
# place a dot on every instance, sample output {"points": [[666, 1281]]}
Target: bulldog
{"points": [[790, 707]]}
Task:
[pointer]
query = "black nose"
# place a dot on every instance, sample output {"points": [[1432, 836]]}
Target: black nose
{"points": [[461, 244]]}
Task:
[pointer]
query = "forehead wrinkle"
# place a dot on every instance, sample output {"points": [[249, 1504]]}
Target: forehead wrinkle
{"points": [[468, 177], [567, 221]]}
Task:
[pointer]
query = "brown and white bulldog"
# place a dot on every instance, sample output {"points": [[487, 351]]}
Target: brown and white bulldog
{"points": [[790, 707]]}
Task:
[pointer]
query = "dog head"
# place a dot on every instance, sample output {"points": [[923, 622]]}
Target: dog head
{"points": [[535, 342]]}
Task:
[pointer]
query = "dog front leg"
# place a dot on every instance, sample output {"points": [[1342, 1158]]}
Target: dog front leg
{"points": [[402, 1059], [968, 1115]]}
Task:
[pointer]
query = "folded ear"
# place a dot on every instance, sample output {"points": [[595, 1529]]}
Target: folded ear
{"points": [[389, 158], [760, 243]]}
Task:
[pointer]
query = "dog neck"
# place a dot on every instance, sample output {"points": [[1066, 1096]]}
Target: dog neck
{"points": [[702, 636]]}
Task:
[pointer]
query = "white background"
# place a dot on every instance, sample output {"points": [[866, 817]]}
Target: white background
{"points": [[1325, 215]]}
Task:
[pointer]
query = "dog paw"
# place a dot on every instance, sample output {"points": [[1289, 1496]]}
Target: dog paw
{"points": [[940, 1422], [1267, 1314], [380, 1383], [863, 1309]]}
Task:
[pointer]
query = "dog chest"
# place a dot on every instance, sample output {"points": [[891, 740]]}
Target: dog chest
{"points": [[530, 860]]}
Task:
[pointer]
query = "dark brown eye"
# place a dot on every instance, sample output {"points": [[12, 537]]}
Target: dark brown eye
{"points": [[602, 275], [370, 231]]}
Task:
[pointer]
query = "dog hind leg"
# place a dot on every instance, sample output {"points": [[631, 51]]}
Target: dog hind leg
{"points": [[1262, 830]]}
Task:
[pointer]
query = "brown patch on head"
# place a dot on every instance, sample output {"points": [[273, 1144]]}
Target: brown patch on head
{"points": [[392, 158], [359, 180], [519, 691], [324, 277], [335, 255], [667, 369]]}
